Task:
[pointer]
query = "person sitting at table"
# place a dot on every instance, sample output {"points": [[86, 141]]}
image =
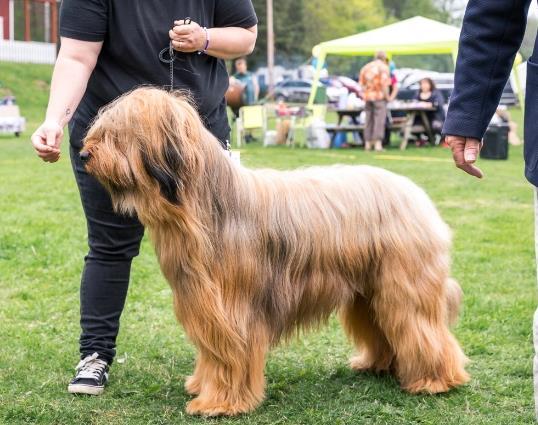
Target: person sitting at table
{"points": [[430, 96], [251, 88]]}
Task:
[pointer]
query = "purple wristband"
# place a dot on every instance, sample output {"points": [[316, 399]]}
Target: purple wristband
{"points": [[206, 42]]}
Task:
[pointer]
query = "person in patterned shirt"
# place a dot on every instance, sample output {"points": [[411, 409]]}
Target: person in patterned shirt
{"points": [[375, 82]]}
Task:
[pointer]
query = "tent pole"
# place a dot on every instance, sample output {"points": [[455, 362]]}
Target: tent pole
{"points": [[270, 48], [319, 66]]}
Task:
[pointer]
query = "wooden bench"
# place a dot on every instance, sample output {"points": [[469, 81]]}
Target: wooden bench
{"points": [[334, 129], [346, 128], [397, 124]]}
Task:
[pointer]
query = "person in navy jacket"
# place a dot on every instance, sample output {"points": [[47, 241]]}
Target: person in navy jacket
{"points": [[491, 36]]}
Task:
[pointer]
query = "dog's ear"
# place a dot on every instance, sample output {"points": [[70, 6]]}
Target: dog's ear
{"points": [[166, 171]]}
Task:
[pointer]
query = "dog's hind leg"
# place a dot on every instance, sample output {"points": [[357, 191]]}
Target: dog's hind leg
{"points": [[374, 352], [193, 383], [230, 382], [410, 303]]}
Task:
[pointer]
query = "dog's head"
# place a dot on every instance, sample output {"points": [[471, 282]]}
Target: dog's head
{"points": [[142, 148]]}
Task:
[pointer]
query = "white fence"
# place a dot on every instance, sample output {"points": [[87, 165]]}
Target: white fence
{"points": [[27, 52]]}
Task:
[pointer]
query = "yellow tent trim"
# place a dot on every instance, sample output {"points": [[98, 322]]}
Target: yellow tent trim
{"points": [[414, 36]]}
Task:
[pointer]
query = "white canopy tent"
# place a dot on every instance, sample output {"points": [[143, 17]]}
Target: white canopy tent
{"points": [[414, 36]]}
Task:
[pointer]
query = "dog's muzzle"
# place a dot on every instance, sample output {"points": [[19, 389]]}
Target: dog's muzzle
{"points": [[84, 156]]}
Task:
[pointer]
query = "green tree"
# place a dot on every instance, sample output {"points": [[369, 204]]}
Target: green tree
{"points": [[403, 9], [301, 24], [332, 19], [289, 27]]}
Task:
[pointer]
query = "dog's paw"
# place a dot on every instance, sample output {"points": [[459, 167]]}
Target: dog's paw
{"points": [[360, 363], [437, 385], [427, 386], [192, 385], [202, 407], [363, 363]]}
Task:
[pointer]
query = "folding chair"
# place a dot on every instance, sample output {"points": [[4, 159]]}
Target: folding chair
{"points": [[250, 118], [314, 113]]}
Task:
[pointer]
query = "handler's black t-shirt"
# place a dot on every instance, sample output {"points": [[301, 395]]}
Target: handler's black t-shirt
{"points": [[133, 33]]}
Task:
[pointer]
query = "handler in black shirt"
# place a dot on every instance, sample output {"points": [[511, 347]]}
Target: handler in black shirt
{"points": [[109, 47]]}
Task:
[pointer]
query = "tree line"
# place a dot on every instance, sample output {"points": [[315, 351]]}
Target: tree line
{"points": [[301, 24]]}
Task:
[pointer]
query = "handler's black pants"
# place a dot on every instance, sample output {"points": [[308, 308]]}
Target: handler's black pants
{"points": [[114, 240]]}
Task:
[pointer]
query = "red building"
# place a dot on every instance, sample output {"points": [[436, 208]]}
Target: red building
{"points": [[49, 14], [6, 13]]}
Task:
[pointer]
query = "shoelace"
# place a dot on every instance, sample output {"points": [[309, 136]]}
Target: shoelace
{"points": [[90, 367]]}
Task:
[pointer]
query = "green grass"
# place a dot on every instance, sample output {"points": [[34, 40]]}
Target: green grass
{"points": [[42, 242]]}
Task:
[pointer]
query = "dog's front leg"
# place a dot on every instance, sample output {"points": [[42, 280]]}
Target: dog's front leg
{"points": [[229, 381]]}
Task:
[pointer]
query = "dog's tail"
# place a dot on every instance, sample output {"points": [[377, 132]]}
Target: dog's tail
{"points": [[454, 295]]}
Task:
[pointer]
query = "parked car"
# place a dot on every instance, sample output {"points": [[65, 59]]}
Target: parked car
{"points": [[339, 85], [351, 85], [409, 86], [293, 91], [334, 88], [298, 91]]}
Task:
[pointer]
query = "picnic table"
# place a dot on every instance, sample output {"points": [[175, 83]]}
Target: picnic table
{"points": [[411, 110]]}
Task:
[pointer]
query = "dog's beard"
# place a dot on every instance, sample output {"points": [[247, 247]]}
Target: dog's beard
{"points": [[125, 204], [123, 200]]}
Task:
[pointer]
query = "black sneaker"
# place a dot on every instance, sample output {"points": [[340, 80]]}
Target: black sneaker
{"points": [[91, 377]]}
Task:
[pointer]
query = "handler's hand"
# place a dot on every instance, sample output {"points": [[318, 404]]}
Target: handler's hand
{"points": [[187, 38], [465, 152], [46, 141]]}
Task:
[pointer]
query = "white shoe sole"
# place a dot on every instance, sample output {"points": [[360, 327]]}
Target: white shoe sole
{"points": [[85, 389]]}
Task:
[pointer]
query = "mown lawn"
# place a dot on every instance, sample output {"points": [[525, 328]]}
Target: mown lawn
{"points": [[42, 242]]}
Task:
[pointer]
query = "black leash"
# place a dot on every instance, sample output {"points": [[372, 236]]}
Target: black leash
{"points": [[172, 56]]}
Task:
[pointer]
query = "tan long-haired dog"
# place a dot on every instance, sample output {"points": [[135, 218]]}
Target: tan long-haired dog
{"points": [[254, 256]]}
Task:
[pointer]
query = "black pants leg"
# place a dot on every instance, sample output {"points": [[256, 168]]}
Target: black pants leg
{"points": [[114, 240]]}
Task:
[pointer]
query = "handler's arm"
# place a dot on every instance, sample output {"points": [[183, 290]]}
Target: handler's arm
{"points": [[223, 43], [75, 63], [232, 42], [491, 36]]}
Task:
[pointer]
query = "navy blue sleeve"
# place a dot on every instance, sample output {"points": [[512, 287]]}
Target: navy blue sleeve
{"points": [[85, 20], [235, 13], [490, 38]]}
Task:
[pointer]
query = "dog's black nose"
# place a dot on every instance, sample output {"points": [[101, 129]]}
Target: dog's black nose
{"points": [[84, 156]]}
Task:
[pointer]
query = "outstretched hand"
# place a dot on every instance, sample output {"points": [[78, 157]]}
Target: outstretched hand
{"points": [[465, 153], [46, 141]]}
